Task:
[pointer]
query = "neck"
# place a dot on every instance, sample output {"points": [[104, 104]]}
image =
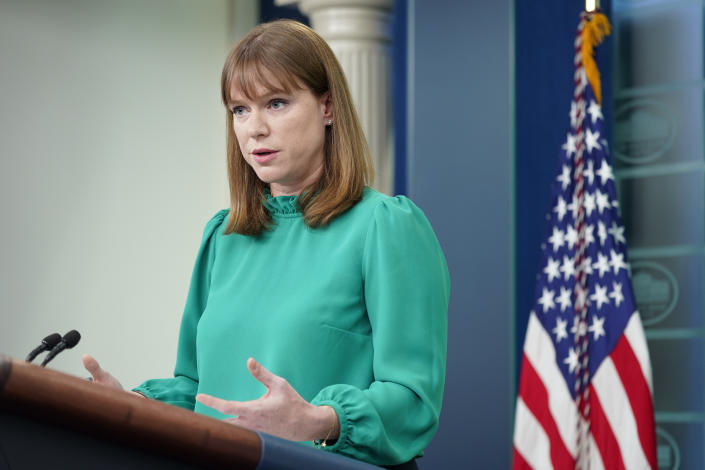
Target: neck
{"points": [[295, 189]]}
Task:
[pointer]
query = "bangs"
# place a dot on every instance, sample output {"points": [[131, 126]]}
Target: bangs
{"points": [[250, 77]]}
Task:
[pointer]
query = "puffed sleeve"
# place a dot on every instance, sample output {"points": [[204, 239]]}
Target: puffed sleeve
{"points": [[181, 389], [406, 289]]}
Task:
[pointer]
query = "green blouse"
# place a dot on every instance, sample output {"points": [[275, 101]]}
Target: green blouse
{"points": [[353, 315]]}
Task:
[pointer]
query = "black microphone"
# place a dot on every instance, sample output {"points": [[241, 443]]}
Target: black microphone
{"points": [[69, 340], [48, 344]]}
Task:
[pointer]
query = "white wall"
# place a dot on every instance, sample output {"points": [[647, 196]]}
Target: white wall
{"points": [[112, 158]]}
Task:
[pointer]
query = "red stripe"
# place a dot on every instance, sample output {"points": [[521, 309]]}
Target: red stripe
{"points": [[518, 462], [603, 435], [637, 389], [535, 396]]}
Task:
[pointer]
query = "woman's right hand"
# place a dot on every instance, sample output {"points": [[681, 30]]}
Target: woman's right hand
{"points": [[100, 375]]}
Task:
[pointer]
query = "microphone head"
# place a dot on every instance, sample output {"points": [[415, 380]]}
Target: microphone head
{"points": [[71, 338], [51, 340]]}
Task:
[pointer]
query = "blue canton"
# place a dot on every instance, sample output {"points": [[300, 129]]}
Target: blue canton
{"points": [[609, 297]]}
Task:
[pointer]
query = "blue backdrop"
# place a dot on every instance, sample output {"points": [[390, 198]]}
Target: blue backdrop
{"points": [[460, 173]]}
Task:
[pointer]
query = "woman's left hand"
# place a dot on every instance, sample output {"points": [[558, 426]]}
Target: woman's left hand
{"points": [[281, 411]]}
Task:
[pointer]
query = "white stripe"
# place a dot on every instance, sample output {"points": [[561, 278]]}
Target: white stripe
{"points": [[615, 403], [637, 340], [538, 349], [530, 440], [595, 457]]}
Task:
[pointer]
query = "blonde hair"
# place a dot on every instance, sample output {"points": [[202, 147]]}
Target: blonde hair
{"points": [[298, 58]]}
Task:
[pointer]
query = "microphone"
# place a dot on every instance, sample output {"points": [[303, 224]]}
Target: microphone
{"points": [[48, 344], [69, 340]]}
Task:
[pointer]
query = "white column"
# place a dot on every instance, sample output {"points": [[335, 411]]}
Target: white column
{"points": [[359, 32]]}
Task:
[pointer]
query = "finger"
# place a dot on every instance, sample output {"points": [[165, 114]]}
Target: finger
{"points": [[100, 375], [224, 406], [262, 375], [92, 366]]}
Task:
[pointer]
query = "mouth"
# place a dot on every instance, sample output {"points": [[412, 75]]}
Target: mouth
{"points": [[262, 155]]}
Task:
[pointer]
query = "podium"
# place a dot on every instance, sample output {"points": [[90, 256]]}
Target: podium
{"points": [[52, 420]]}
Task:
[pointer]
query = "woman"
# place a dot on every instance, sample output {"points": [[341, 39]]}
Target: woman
{"points": [[317, 306]]}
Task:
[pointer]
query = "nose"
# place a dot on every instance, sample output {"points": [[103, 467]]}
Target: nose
{"points": [[258, 124]]}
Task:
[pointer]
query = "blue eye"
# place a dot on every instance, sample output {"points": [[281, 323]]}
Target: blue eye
{"points": [[238, 110], [277, 104]]}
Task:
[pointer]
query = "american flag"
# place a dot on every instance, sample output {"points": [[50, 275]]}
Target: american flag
{"points": [[585, 391]]}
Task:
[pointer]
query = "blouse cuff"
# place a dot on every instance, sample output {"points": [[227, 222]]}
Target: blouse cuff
{"points": [[178, 391], [344, 426], [335, 397]]}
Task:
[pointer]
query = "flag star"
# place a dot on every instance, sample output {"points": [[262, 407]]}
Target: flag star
{"points": [[601, 232], [546, 300], [589, 173], [598, 327], [589, 237], [592, 140], [569, 145], [571, 360], [579, 328], [617, 232], [602, 264], [560, 329], [600, 296], [589, 203], [556, 239], [587, 265], [561, 208], [595, 111], [617, 261], [602, 200], [564, 299], [568, 268], [605, 172], [551, 269], [564, 177], [571, 236], [574, 206], [616, 293]]}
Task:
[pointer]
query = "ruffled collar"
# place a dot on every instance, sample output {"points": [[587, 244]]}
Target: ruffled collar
{"points": [[281, 205]]}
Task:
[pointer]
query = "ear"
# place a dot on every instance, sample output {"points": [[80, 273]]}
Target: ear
{"points": [[326, 106]]}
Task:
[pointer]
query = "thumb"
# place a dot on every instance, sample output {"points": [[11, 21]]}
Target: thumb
{"points": [[262, 375], [100, 375], [93, 367]]}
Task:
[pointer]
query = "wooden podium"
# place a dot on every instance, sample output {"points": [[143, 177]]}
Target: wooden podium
{"points": [[52, 420]]}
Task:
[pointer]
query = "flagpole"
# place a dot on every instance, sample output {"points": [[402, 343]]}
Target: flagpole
{"points": [[585, 401], [592, 5]]}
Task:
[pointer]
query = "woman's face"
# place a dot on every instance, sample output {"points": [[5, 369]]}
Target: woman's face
{"points": [[281, 136]]}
